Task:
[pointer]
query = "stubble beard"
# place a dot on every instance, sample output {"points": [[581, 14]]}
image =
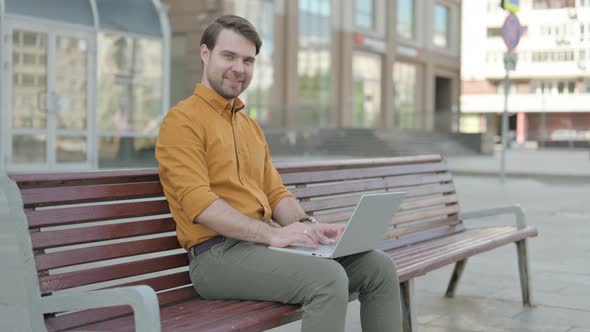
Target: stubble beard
{"points": [[227, 93]]}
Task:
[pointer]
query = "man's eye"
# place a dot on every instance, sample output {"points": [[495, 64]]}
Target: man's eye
{"points": [[228, 57]]}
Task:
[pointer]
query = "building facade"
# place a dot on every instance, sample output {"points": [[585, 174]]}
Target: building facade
{"points": [[85, 83], [336, 63], [549, 100]]}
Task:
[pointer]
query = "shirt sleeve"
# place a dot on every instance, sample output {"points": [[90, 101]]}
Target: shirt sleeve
{"points": [[274, 189], [182, 164]]}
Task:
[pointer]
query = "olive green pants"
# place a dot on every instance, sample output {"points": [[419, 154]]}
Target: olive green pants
{"points": [[243, 270]]}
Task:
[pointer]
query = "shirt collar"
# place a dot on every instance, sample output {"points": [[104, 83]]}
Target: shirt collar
{"points": [[216, 101]]}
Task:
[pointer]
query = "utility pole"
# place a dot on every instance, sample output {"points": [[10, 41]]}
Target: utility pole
{"points": [[511, 33]]}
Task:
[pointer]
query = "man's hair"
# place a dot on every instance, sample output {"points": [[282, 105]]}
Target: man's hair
{"points": [[235, 23]]}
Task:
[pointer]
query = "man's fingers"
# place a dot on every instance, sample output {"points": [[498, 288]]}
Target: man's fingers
{"points": [[325, 240], [306, 238]]}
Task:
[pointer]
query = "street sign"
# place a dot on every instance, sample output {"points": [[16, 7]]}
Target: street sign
{"points": [[511, 31], [512, 6]]}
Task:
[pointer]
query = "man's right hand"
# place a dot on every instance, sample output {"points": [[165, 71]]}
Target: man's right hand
{"points": [[311, 234]]}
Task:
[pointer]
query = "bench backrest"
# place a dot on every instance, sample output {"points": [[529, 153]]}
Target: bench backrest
{"points": [[330, 190], [104, 229]]}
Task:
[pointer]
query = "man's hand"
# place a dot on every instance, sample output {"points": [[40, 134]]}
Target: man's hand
{"points": [[311, 234]]}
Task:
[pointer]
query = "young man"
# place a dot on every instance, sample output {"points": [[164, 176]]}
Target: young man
{"points": [[223, 189]]}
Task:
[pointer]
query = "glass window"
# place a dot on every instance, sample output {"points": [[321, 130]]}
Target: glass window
{"points": [[366, 90], [440, 36], [404, 82], [130, 77], [130, 97], [364, 14], [315, 29], [29, 77], [258, 96], [405, 19]]}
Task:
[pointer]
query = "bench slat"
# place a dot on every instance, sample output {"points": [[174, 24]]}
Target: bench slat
{"points": [[406, 240], [26, 180], [403, 231], [352, 187], [260, 321], [81, 235], [425, 202], [72, 257], [465, 239], [423, 267], [103, 212], [35, 197], [360, 173], [348, 201], [303, 166], [426, 214], [61, 281], [164, 282]]}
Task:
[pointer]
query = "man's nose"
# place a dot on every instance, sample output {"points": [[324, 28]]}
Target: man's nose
{"points": [[238, 66]]}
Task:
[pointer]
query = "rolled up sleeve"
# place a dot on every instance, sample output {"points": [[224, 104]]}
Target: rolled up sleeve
{"points": [[274, 189], [182, 165]]}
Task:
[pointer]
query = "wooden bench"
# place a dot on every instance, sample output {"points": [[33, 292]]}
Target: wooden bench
{"points": [[101, 252]]}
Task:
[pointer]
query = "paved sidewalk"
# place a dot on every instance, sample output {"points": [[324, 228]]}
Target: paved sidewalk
{"points": [[565, 164]]}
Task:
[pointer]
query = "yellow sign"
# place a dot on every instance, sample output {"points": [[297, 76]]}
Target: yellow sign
{"points": [[512, 6]]}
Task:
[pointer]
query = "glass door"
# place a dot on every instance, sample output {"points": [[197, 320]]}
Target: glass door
{"points": [[49, 103]]}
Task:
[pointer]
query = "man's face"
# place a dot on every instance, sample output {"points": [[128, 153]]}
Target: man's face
{"points": [[229, 65]]}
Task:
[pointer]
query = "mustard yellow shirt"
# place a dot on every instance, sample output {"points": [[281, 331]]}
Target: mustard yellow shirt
{"points": [[205, 151]]}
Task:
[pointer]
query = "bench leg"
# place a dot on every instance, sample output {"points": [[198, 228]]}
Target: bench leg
{"points": [[408, 308], [459, 266], [523, 267]]}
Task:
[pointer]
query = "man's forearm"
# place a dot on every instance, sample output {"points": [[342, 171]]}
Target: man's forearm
{"points": [[287, 211], [227, 221]]}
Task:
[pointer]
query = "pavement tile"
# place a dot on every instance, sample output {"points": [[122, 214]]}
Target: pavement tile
{"points": [[545, 315]]}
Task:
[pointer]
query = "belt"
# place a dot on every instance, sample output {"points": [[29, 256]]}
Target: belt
{"points": [[204, 246]]}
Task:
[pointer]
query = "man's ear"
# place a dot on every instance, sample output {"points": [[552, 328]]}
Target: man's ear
{"points": [[204, 50]]}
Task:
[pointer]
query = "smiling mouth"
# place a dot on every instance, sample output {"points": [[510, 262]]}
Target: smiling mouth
{"points": [[234, 82]]}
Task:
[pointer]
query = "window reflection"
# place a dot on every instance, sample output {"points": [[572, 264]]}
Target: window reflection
{"points": [[258, 96], [71, 149], [405, 18], [130, 98], [115, 152], [364, 14], [130, 78], [29, 78], [29, 149], [314, 62], [367, 90], [71, 82], [404, 81], [440, 36]]}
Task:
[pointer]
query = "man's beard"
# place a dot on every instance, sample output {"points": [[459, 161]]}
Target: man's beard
{"points": [[227, 93]]}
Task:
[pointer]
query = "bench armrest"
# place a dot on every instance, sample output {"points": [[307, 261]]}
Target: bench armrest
{"points": [[516, 210], [142, 299]]}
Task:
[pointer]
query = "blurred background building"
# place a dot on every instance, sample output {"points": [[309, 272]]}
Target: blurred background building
{"points": [[339, 77], [85, 83], [549, 97]]}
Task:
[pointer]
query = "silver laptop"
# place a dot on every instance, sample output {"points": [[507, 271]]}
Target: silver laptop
{"points": [[371, 217]]}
